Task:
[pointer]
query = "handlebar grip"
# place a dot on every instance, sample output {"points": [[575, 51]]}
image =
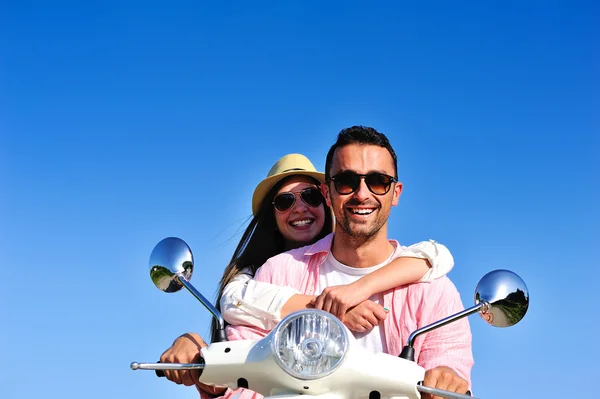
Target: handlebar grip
{"points": [[159, 373]]}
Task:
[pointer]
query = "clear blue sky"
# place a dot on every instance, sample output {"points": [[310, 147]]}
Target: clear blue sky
{"points": [[123, 124]]}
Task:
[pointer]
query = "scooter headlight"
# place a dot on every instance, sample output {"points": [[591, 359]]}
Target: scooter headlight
{"points": [[309, 344]]}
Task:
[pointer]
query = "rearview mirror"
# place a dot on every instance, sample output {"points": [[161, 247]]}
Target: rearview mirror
{"points": [[170, 259]]}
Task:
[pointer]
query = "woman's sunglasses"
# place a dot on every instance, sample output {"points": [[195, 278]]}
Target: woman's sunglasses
{"points": [[311, 196], [348, 182]]}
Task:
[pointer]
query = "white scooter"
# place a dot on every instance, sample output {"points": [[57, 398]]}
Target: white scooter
{"points": [[311, 353]]}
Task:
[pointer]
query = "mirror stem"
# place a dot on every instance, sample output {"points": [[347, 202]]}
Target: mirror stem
{"points": [[221, 335], [408, 351]]}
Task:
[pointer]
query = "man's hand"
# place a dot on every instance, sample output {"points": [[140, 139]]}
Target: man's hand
{"points": [[185, 349], [338, 299], [445, 378], [365, 316]]}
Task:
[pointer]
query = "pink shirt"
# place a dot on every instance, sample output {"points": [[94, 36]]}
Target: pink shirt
{"points": [[410, 307]]}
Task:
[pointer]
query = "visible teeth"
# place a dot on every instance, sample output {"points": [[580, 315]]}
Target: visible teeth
{"points": [[362, 211], [301, 222]]}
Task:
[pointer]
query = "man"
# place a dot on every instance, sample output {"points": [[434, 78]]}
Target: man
{"points": [[361, 188]]}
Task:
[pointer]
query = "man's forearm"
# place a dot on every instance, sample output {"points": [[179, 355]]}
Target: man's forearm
{"points": [[296, 302]]}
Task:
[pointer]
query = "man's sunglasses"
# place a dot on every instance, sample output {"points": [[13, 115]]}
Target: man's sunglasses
{"points": [[348, 182], [311, 196]]}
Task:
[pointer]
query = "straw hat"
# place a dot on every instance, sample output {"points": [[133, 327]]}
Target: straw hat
{"points": [[291, 164]]}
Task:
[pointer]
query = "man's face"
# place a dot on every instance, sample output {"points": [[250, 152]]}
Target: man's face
{"points": [[362, 214]]}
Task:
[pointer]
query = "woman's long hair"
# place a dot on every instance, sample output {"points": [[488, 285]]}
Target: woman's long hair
{"points": [[261, 241]]}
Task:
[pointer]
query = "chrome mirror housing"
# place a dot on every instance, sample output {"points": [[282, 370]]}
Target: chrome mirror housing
{"points": [[171, 259], [505, 297]]}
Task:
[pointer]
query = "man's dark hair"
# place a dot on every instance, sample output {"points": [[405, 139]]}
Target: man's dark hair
{"points": [[362, 135]]}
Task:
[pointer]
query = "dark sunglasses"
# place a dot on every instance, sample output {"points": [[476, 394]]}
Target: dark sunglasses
{"points": [[311, 197], [348, 182]]}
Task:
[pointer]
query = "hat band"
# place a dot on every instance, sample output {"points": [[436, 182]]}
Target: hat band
{"points": [[289, 170]]}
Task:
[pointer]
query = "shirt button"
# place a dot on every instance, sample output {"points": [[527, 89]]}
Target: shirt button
{"points": [[238, 303]]}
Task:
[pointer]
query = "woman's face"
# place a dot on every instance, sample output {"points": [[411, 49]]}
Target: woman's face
{"points": [[302, 222]]}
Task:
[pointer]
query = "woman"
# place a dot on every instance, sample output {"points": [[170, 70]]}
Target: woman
{"points": [[289, 212]]}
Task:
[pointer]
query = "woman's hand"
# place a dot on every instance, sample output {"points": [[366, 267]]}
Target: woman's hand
{"points": [[364, 317], [338, 299]]}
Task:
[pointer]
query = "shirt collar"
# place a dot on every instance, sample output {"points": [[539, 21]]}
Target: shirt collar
{"points": [[321, 246], [324, 246]]}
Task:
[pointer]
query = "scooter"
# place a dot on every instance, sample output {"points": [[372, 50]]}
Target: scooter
{"points": [[310, 353]]}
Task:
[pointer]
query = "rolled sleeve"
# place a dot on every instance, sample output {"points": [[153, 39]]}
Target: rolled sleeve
{"points": [[246, 301], [439, 257]]}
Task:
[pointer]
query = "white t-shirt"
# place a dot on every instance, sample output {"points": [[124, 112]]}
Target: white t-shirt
{"points": [[333, 272]]}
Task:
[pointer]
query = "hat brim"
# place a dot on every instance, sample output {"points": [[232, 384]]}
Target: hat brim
{"points": [[263, 188]]}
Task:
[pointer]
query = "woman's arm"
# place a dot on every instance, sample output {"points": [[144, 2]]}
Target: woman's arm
{"points": [[422, 262], [439, 259], [246, 301]]}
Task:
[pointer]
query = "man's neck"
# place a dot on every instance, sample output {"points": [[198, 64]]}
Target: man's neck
{"points": [[359, 251]]}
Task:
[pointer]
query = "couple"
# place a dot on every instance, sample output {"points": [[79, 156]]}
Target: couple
{"points": [[289, 259]]}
